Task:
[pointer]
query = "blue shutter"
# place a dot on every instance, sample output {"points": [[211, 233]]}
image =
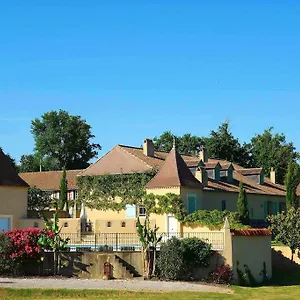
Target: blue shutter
{"points": [[265, 209], [4, 224], [191, 204], [130, 211]]}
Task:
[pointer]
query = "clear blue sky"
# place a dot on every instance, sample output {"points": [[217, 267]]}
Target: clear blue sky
{"points": [[134, 69]]}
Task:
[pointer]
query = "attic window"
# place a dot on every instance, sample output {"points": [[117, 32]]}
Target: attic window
{"points": [[123, 224], [108, 224], [66, 224]]}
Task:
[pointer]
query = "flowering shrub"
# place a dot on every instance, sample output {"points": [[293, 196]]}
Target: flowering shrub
{"points": [[21, 246], [223, 274]]}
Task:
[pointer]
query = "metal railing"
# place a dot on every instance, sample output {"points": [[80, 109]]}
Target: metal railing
{"points": [[109, 242]]}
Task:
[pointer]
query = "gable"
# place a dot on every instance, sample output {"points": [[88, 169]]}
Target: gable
{"points": [[117, 161]]}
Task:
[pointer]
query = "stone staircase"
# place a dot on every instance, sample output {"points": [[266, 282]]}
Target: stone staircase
{"points": [[122, 269]]}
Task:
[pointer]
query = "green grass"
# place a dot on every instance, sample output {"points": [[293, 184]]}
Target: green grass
{"points": [[240, 293]]}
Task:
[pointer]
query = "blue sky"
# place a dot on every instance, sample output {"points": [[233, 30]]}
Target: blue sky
{"points": [[134, 69]]}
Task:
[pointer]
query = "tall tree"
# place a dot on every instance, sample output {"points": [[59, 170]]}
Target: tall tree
{"points": [[187, 144], [242, 205], [292, 181], [272, 150], [63, 193], [222, 144], [64, 138]]}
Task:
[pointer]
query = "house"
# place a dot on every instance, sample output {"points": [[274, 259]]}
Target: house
{"points": [[50, 181], [13, 195], [202, 183]]}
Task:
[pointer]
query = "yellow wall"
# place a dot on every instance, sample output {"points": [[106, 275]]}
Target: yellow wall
{"points": [[13, 204], [287, 253], [213, 200], [252, 251]]}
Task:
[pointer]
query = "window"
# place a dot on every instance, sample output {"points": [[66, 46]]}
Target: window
{"points": [[36, 225], [75, 195], [191, 203], [130, 211], [142, 211], [270, 208], [282, 207], [108, 224], [223, 205], [66, 224], [123, 224]]}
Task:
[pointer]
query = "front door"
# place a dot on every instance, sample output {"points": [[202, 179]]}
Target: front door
{"points": [[4, 224], [172, 226]]}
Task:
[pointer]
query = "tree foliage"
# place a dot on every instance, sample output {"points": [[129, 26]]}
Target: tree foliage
{"points": [[272, 150], [286, 228], [222, 144], [65, 139], [292, 181], [38, 200], [186, 144], [34, 163], [242, 205], [63, 194]]}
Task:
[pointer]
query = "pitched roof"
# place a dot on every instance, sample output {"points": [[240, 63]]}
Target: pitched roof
{"points": [[8, 175], [50, 180], [174, 173], [250, 171]]}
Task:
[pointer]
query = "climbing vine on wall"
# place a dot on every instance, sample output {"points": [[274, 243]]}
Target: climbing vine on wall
{"points": [[112, 192]]}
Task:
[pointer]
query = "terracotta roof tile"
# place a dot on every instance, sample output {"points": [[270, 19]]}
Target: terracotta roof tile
{"points": [[174, 173], [49, 181], [251, 232], [8, 175], [250, 171]]}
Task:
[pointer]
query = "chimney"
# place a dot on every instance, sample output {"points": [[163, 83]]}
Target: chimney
{"points": [[273, 176], [148, 148], [203, 154], [201, 175]]}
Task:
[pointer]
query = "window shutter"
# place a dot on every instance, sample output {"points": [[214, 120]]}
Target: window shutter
{"points": [[191, 204], [265, 209], [130, 211]]}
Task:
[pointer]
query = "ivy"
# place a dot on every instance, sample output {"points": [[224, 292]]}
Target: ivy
{"points": [[214, 219], [112, 191]]}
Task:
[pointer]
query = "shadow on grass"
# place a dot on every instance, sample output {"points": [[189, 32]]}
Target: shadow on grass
{"points": [[285, 272]]}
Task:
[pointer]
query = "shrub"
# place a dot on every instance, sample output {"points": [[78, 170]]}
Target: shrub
{"points": [[178, 258], [21, 246], [4, 250], [223, 274]]}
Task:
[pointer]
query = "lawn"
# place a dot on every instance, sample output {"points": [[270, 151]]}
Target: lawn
{"points": [[266, 293]]}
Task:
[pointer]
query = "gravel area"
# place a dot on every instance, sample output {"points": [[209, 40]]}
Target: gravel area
{"points": [[130, 285]]}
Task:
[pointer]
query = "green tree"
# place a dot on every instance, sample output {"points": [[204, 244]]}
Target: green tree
{"points": [[242, 205], [63, 195], [37, 199], [186, 144], [64, 138], [286, 228], [292, 181], [272, 150], [221, 144]]}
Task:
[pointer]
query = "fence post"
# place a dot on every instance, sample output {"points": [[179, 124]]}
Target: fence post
{"points": [[95, 241], [116, 241]]}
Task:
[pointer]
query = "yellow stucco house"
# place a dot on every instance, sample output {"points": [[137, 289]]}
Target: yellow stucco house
{"points": [[201, 182], [13, 195]]}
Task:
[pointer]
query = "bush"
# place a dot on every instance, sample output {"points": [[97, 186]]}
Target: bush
{"points": [[223, 274], [178, 258], [20, 247]]}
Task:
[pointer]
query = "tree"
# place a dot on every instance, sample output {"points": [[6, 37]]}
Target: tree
{"points": [[34, 163], [38, 200], [186, 144], [272, 150], [221, 144], [64, 138], [292, 181], [286, 228], [242, 205], [63, 195]]}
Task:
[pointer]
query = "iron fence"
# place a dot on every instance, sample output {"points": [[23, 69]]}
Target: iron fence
{"points": [[109, 242]]}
